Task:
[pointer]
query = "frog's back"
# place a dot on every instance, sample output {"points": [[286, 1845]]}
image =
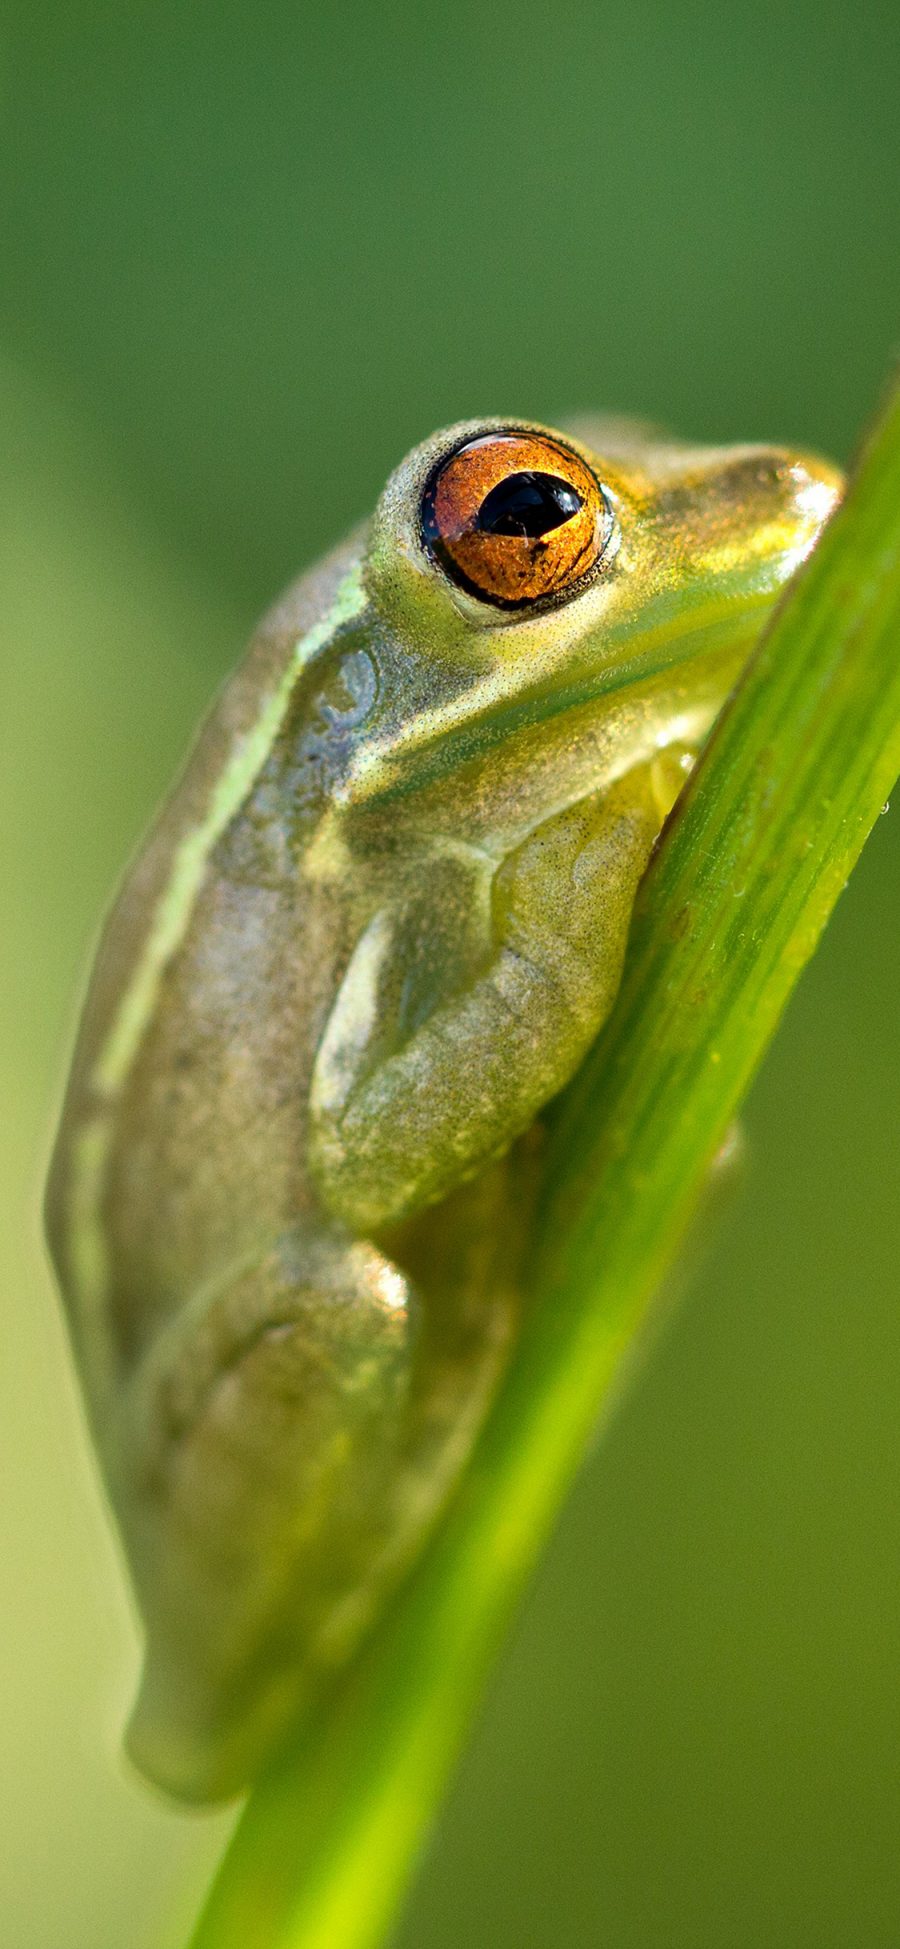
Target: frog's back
{"points": [[174, 1179]]}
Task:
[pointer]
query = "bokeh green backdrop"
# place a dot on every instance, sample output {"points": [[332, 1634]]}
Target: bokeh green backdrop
{"points": [[250, 254]]}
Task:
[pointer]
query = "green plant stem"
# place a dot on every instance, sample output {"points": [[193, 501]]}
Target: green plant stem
{"points": [[740, 889]]}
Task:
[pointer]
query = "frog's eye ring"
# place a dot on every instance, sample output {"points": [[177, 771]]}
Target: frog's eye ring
{"points": [[515, 518]]}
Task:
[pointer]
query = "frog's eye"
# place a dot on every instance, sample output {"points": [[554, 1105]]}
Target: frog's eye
{"points": [[515, 518]]}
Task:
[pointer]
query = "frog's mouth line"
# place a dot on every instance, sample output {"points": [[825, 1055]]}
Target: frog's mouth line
{"points": [[719, 637]]}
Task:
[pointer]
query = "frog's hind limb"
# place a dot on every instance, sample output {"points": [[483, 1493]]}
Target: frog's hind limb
{"points": [[268, 1424], [298, 1430]]}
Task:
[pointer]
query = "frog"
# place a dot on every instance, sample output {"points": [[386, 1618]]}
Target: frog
{"points": [[370, 939]]}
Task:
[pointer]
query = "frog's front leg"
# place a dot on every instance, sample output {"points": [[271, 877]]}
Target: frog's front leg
{"points": [[405, 1109]]}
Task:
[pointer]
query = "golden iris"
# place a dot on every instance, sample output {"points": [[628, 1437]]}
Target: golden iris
{"points": [[515, 518]]}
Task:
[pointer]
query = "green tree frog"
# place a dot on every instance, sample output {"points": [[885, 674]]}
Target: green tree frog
{"points": [[370, 937]]}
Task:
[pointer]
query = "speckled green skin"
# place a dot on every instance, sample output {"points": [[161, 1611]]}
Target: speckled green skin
{"points": [[373, 932]]}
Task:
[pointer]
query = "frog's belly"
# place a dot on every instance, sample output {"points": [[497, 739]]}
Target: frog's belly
{"points": [[209, 1156]]}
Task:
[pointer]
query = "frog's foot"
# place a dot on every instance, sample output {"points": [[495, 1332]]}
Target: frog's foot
{"points": [[268, 1425]]}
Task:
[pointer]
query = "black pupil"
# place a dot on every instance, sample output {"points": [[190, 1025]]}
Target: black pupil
{"points": [[528, 504]]}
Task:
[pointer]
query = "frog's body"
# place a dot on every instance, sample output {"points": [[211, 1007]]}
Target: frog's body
{"points": [[373, 933]]}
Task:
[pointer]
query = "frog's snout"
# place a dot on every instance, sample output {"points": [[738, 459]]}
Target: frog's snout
{"points": [[762, 514]]}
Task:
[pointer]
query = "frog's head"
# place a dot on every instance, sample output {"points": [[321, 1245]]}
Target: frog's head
{"points": [[527, 582]]}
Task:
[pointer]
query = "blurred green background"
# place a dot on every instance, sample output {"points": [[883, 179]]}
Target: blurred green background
{"points": [[250, 254]]}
